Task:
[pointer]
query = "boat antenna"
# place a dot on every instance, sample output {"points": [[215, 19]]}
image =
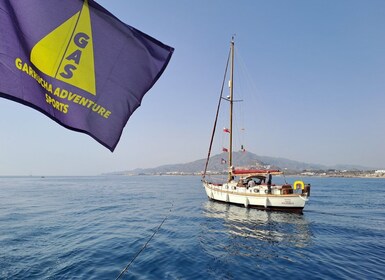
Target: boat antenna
{"points": [[216, 117]]}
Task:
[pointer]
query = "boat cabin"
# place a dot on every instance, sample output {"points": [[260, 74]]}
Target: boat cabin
{"points": [[251, 181]]}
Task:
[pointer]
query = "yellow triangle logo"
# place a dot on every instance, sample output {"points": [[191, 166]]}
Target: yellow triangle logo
{"points": [[67, 53]]}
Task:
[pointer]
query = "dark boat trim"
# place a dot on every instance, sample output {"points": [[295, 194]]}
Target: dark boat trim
{"points": [[297, 210]]}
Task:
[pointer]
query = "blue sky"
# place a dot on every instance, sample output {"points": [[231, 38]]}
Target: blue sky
{"points": [[318, 72]]}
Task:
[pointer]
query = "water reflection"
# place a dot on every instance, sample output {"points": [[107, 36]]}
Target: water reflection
{"points": [[233, 237], [263, 226]]}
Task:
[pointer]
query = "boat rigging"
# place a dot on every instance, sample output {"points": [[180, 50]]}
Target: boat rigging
{"points": [[250, 187]]}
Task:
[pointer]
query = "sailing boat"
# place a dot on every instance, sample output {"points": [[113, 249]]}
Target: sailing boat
{"points": [[252, 187]]}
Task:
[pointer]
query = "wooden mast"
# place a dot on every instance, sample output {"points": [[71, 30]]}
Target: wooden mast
{"points": [[231, 110]]}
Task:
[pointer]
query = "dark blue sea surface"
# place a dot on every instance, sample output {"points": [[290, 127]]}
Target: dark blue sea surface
{"points": [[95, 227]]}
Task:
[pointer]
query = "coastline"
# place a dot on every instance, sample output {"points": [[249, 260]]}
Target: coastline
{"points": [[334, 174]]}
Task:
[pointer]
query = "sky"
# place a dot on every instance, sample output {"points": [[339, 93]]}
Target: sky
{"points": [[318, 75]]}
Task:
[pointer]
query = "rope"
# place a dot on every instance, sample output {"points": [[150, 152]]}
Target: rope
{"points": [[144, 246], [216, 119]]}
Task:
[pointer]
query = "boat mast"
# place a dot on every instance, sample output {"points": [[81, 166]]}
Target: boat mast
{"points": [[231, 109]]}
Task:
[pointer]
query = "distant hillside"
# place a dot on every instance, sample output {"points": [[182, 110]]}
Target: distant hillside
{"points": [[240, 159]]}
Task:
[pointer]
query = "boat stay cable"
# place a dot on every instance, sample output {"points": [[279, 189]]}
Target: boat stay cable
{"points": [[216, 118]]}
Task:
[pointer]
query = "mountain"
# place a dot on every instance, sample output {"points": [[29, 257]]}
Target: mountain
{"points": [[240, 159]]}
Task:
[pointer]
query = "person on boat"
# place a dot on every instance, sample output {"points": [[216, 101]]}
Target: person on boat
{"points": [[269, 182], [251, 183], [242, 183]]}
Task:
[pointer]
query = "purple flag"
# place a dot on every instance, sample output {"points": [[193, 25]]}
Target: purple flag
{"points": [[77, 63]]}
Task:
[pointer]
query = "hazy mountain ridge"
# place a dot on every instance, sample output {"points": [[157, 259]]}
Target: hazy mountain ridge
{"points": [[240, 159]]}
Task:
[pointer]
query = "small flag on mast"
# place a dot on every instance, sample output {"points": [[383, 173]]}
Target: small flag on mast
{"points": [[226, 130], [77, 63], [225, 150]]}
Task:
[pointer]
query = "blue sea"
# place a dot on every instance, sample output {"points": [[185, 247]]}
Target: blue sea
{"points": [[164, 227]]}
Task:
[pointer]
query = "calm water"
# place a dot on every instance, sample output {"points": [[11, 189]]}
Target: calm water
{"points": [[92, 228]]}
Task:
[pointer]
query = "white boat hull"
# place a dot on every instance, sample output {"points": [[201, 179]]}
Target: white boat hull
{"points": [[256, 197]]}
